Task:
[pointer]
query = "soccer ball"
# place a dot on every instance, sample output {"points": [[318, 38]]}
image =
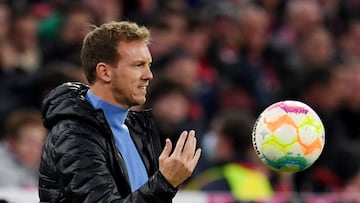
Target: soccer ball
{"points": [[288, 136]]}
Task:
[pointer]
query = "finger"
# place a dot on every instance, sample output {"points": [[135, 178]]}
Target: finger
{"points": [[180, 143], [167, 149], [195, 159], [190, 146]]}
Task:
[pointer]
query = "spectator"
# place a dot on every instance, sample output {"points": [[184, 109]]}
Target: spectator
{"points": [[20, 149], [6, 56], [24, 44], [168, 26], [181, 67], [299, 17], [236, 169], [5, 20], [315, 50], [350, 115], [106, 10], [170, 103], [257, 76], [75, 23], [335, 14], [196, 41], [237, 82], [161, 43], [348, 40], [324, 92], [274, 10]]}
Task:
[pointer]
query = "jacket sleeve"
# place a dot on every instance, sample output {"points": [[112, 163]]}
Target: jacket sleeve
{"points": [[84, 176]]}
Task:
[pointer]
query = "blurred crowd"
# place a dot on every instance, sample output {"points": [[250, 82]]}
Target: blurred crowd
{"points": [[217, 65]]}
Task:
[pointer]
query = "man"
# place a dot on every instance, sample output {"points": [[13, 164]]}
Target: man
{"points": [[98, 150]]}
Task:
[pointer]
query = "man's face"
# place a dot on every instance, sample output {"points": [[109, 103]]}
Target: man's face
{"points": [[132, 74]]}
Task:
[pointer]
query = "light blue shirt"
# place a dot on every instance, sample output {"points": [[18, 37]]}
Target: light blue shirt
{"points": [[116, 116]]}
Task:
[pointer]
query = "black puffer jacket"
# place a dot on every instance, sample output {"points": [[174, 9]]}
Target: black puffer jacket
{"points": [[80, 162]]}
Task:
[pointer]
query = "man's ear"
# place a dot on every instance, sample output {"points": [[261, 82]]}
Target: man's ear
{"points": [[103, 72]]}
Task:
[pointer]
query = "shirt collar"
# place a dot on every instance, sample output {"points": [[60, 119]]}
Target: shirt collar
{"points": [[112, 113]]}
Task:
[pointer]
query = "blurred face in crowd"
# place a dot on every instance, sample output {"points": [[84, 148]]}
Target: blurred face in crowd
{"points": [[196, 42], [4, 21], [130, 77], [349, 41], [254, 25], [304, 14], [317, 48], [327, 96], [171, 108], [184, 71], [28, 144], [224, 28], [76, 26], [24, 33], [161, 42], [351, 78], [106, 10]]}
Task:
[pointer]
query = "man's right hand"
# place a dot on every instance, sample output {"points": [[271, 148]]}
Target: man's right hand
{"points": [[179, 165]]}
